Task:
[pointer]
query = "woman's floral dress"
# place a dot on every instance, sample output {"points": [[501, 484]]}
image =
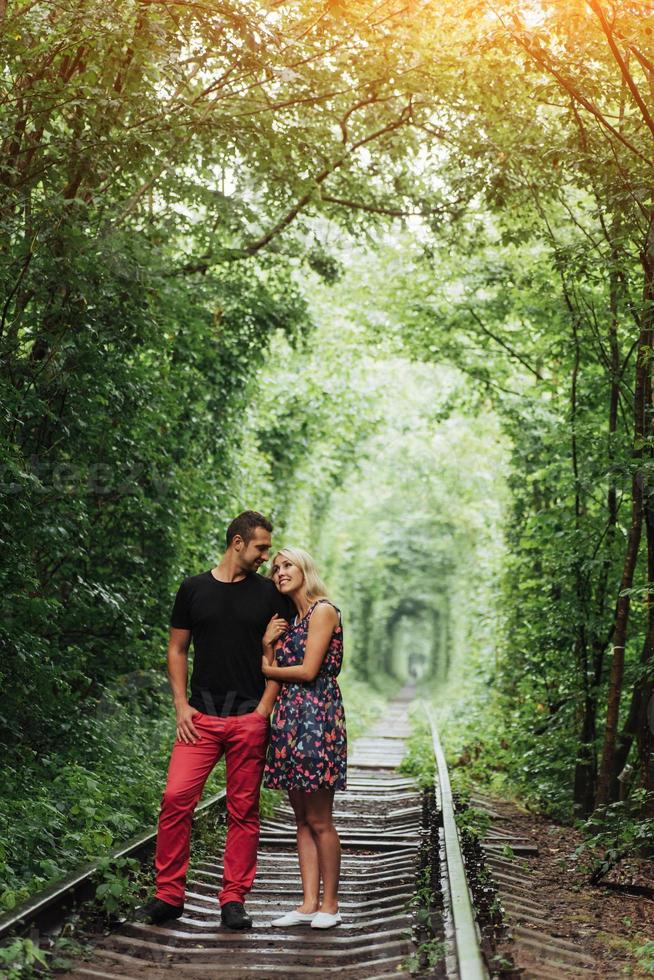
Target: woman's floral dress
{"points": [[308, 740]]}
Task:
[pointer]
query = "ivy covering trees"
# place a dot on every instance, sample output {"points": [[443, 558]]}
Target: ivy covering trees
{"points": [[385, 271]]}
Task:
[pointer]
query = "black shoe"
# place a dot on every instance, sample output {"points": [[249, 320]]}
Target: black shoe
{"points": [[156, 910], [234, 916]]}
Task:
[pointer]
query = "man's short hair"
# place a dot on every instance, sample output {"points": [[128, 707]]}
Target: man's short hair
{"points": [[245, 525]]}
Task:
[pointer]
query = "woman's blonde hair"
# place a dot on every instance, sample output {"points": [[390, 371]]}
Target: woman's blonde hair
{"points": [[316, 588]]}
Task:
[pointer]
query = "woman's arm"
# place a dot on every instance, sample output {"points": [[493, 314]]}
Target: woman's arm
{"points": [[271, 638], [323, 622], [274, 632]]}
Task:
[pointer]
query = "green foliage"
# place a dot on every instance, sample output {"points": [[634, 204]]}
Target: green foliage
{"points": [[419, 760], [118, 888], [71, 806], [22, 959], [473, 821], [615, 832], [423, 899], [429, 952], [645, 955], [140, 304]]}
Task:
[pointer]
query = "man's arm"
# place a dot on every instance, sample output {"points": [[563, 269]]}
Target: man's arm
{"points": [[268, 697], [178, 645], [273, 688]]}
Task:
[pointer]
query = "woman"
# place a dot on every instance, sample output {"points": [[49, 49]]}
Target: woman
{"points": [[307, 752]]}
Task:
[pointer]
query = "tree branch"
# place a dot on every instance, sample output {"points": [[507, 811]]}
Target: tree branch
{"points": [[503, 343], [626, 74], [253, 247], [569, 87], [378, 208]]}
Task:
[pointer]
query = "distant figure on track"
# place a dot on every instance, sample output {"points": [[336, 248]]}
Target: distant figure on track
{"points": [[226, 611], [307, 753]]}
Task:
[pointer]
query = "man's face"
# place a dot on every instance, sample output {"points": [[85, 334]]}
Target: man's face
{"points": [[253, 554]]}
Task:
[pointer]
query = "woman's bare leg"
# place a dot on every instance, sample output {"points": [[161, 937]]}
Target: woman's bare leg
{"points": [[307, 853], [318, 814]]}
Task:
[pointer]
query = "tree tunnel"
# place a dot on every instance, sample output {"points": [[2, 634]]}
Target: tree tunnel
{"points": [[414, 640]]}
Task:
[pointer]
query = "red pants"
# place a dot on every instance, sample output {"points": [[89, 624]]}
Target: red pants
{"points": [[243, 739]]}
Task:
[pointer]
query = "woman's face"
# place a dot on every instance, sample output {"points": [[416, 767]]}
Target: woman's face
{"points": [[286, 576]]}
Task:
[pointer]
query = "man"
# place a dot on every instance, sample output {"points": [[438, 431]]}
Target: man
{"points": [[226, 612]]}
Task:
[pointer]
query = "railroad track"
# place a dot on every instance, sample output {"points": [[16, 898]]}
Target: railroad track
{"points": [[530, 943], [378, 819], [381, 819]]}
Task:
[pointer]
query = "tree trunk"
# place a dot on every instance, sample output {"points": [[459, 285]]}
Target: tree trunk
{"points": [[639, 725], [607, 773], [586, 768], [585, 762]]}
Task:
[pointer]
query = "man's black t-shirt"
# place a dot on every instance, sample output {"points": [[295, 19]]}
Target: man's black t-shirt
{"points": [[227, 622]]}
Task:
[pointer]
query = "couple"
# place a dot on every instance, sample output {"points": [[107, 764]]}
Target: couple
{"points": [[260, 646]]}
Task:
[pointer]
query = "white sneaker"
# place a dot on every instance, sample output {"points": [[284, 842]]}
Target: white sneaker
{"points": [[325, 920], [294, 918]]}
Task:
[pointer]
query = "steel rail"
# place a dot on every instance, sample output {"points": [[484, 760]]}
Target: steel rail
{"points": [[49, 906], [470, 962]]}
